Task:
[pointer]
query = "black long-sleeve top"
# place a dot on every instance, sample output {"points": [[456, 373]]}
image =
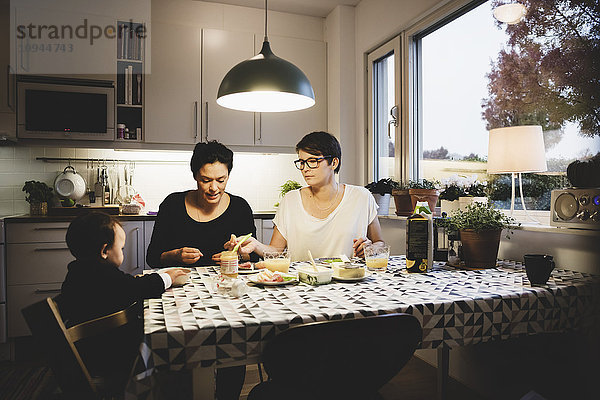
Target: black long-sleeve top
{"points": [[175, 229]]}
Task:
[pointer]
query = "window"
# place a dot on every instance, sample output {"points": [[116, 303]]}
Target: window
{"points": [[384, 118], [469, 73]]}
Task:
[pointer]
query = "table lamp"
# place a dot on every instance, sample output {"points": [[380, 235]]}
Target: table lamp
{"points": [[517, 149]]}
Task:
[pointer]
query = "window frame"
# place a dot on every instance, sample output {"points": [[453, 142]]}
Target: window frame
{"points": [[391, 46]]}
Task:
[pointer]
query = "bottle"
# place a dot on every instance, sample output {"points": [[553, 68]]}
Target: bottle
{"points": [[419, 239], [98, 189]]}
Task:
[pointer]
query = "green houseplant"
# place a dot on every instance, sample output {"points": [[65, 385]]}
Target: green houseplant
{"points": [[286, 187], [480, 226], [38, 196], [382, 191]]}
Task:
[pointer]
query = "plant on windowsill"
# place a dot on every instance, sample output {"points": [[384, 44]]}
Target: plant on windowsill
{"points": [[402, 200], [424, 190], [382, 191], [38, 196], [479, 226], [286, 187]]}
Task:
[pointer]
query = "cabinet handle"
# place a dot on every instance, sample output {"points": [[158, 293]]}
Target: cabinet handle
{"points": [[51, 248], [40, 291], [206, 119], [137, 245], [260, 128], [8, 87], [195, 120]]}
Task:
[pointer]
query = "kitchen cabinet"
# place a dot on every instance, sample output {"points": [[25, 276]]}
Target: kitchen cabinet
{"points": [[287, 128], [221, 50], [260, 129], [172, 97], [267, 230], [36, 263], [8, 121], [148, 229]]}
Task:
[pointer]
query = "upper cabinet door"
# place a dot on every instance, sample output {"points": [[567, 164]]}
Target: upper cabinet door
{"points": [[287, 128], [221, 50], [173, 85]]}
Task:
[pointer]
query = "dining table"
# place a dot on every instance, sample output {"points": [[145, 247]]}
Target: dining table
{"points": [[201, 326]]}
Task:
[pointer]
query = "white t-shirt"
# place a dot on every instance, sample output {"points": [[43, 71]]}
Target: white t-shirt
{"points": [[328, 237]]}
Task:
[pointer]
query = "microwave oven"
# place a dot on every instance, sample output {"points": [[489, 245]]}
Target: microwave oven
{"points": [[64, 108]]}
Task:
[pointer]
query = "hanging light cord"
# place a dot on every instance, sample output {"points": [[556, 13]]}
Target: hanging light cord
{"points": [[266, 38]]}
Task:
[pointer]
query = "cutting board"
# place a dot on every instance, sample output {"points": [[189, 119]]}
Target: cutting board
{"points": [[75, 211]]}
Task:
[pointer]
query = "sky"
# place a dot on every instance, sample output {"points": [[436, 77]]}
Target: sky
{"points": [[456, 59]]}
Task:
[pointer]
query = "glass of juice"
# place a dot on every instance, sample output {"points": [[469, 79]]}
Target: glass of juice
{"points": [[377, 257], [277, 261], [229, 263]]}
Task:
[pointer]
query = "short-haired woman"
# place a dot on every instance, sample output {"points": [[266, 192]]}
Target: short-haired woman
{"points": [[192, 226], [325, 217]]}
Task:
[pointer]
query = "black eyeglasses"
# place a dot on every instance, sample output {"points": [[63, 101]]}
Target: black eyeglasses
{"points": [[312, 162]]}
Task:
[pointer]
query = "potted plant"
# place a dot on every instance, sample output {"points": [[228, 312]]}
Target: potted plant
{"points": [[382, 191], [286, 187], [453, 190], [479, 226], [474, 193], [423, 190], [38, 196], [402, 200]]}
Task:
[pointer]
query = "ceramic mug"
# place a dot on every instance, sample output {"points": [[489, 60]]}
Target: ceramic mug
{"points": [[538, 267]]}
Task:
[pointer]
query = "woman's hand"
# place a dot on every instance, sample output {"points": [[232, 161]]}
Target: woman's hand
{"points": [[245, 248], [358, 247], [185, 255]]}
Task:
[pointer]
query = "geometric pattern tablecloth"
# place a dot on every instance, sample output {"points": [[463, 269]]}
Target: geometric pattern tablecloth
{"points": [[194, 325]]}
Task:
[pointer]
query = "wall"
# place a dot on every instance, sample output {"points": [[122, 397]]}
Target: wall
{"points": [[256, 177]]}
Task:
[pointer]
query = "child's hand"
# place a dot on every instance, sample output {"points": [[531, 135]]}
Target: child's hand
{"points": [[175, 272]]}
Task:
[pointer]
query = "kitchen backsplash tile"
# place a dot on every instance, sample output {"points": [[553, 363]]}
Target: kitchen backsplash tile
{"points": [[255, 177]]}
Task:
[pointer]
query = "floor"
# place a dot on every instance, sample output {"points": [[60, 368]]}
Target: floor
{"points": [[416, 381]]}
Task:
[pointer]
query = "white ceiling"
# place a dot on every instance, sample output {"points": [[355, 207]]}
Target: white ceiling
{"points": [[315, 8]]}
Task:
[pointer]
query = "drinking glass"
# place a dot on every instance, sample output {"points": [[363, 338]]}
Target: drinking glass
{"points": [[377, 257], [277, 260]]}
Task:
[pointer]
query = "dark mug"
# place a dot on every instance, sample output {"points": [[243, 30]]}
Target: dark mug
{"points": [[538, 267]]}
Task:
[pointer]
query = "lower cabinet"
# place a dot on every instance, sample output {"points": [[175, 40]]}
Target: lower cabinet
{"points": [[36, 263]]}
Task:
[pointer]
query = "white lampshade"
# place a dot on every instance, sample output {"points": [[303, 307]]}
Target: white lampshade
{"points": [[510, 13], [516, 149]]}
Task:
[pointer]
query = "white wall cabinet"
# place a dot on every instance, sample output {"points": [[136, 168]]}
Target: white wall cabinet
{"points": [[7, 77], [172, 109], [287, 128], [221, 50]]}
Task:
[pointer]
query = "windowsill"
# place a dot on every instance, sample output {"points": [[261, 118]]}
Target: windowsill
{"points": [[527, 226]]}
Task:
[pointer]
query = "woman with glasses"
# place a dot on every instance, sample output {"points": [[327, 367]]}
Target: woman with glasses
{"points": [[326, 217]]}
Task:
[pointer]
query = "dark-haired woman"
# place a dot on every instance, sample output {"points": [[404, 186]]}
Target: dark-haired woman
{"points": [[326, 217], [191, 227]]}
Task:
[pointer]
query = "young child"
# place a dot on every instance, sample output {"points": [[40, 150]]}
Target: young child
{"points": [[94, 287]]}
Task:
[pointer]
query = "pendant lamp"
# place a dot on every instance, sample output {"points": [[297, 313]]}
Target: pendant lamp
{"points": [[266, 83]]}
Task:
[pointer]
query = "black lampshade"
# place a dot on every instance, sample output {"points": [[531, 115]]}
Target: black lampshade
{"points": [[266, 83]]}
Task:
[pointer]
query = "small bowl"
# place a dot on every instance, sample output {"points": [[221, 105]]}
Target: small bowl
{"points": [[307, 274]]}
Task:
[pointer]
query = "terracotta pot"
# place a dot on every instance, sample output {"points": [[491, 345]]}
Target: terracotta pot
{"points": [[480, 249], [38, 208], [428, 195], [403, 204], [383, 201]]}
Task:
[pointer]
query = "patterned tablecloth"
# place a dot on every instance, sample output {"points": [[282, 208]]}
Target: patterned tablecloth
{"points": [[195, 325]]}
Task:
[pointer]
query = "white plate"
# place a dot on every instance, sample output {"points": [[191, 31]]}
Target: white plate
{"points": [[253, 279], [339, 278]]}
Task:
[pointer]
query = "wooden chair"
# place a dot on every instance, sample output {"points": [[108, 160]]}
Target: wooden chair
{"points": [[342, 359], [58, 344]]}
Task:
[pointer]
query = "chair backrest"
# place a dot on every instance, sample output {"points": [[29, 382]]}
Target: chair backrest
{"points": [[58, 343], [344, 359]]}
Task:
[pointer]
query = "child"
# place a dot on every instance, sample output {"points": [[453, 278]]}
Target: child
{"points": [[94, 287]]}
